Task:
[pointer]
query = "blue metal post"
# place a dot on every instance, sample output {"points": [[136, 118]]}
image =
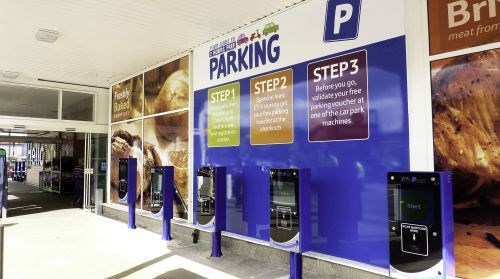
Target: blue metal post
{"points": [[131, 191], [168, 201], [216, 244], [166, 230], [295, 265], [131, 216]]}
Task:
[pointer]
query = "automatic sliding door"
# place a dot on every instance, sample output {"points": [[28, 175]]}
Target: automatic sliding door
{"points": [[95, 169]]}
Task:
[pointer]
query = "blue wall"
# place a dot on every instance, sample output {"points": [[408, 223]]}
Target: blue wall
{"points": [[349, 196]]}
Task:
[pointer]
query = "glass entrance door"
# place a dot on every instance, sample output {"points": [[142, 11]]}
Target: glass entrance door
{"points": [[95, 171]]}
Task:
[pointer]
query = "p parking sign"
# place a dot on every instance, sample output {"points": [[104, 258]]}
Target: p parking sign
{"points": [[342, 20]]}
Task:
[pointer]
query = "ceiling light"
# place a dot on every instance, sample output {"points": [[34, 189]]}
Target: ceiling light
{"points": [[70, 129], [10, 74], [46, 35]]}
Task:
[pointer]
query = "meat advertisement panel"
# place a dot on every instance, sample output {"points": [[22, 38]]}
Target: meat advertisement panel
{"points": [[466, 118]]}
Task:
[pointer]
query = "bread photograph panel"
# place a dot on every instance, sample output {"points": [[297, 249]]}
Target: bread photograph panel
{"points": [[166, 144], [466, 124], [166, 88], [126, 141]]}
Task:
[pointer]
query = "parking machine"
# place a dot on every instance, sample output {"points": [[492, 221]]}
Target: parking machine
{"points": [[420, 225], [162, 196], [127, 186], [290, 211], [211, 203]]}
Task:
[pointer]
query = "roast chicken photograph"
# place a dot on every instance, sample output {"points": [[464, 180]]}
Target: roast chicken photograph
{"points": [[466, 123]]}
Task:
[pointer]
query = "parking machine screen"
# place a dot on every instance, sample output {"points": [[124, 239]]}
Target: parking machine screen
{"points": [[283, 192], [206, 197], [156, 189]]}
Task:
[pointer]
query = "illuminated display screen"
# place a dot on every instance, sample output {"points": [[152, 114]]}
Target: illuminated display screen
{"points": [[156, 182], [417, 206], [283, 192]]}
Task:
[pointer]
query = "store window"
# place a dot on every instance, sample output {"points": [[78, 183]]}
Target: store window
{"points": [[23, 101], [77, 106]]}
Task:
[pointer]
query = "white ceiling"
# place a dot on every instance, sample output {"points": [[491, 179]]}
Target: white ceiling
{"points": [[103, 41]]}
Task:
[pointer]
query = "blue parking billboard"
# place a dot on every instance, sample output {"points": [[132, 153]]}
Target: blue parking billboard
{"points": [[346, 98]]}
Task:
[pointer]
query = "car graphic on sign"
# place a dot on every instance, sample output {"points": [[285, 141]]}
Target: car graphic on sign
{"points": [[242, 39], [255, 35], [271, 27]]}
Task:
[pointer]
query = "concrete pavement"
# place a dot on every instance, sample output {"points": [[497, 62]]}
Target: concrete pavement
{"points": [[52, 241]]}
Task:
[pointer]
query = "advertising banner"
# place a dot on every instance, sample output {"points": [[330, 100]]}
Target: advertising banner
{"points": [[319, 86], [466, 114], [166, 144], [459, 24], [126, 141], [166, 91], [165, 131], [127, 98], [282, 40], [166, 88]]}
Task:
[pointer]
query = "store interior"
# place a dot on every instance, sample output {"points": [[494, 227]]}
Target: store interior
{"points": [[45, 162]]}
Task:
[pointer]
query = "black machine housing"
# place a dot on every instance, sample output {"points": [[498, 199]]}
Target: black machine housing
{"points": [[284, 206], [415, 226], [122, 177], [157, 173], [205, 209]]}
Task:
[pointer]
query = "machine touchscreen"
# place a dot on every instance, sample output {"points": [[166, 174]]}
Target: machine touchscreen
{"points": [[122, 178], [156, 190], [206, 195], [283, 192]]}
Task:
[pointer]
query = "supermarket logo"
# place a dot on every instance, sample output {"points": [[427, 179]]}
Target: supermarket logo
{"points": [[246, 51], [342, 20]]}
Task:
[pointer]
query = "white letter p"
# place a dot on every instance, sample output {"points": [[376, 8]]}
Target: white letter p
{"points": [[343, 13]]}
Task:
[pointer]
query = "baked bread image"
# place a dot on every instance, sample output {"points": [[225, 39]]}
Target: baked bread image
{"points": [[173, 127], [153, 81], [137, 97], [124, 145], [174, 93], [465, 94]]}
